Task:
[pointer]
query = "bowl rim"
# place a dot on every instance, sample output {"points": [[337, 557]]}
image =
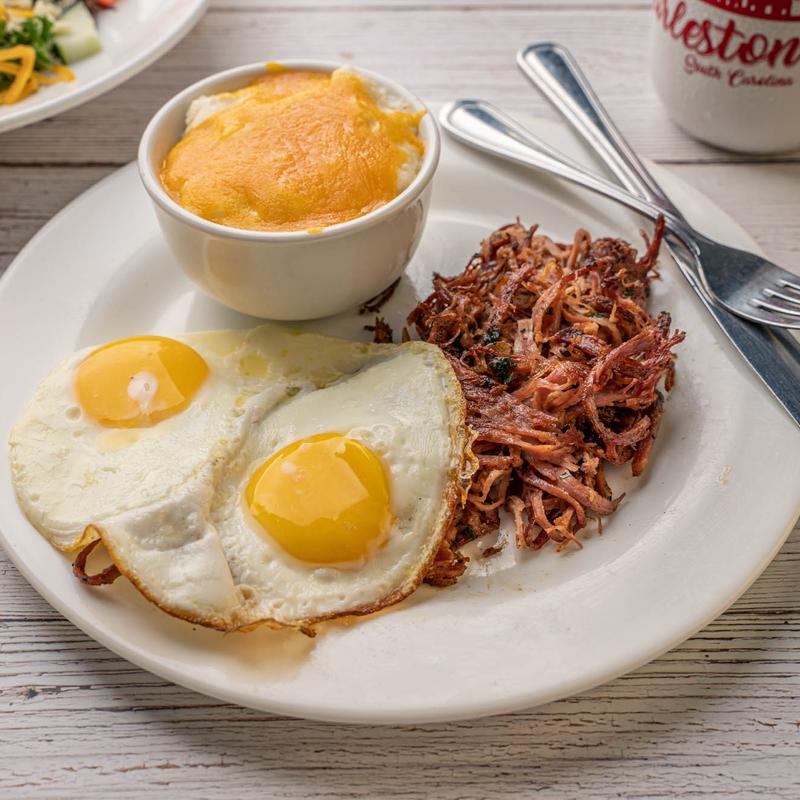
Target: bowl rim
{"points": [[429, 132]]}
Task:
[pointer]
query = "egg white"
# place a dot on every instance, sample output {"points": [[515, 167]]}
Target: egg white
{"points": [[69, 470], [401, 407], [169, 506]]}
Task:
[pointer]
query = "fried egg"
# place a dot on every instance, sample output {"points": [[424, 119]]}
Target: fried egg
{"points": [[121, 426], [239, 478]]}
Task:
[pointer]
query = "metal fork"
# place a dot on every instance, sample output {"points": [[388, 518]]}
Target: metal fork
{"points": [[773, 353], [746, 284], [487, 128]]}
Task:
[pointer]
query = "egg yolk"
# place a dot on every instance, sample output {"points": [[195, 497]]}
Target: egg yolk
{"points": [[137, 382], [324, 499]]}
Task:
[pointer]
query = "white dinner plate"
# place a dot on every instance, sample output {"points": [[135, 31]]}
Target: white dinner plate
{"points": [[134, 35], [718, 499]]}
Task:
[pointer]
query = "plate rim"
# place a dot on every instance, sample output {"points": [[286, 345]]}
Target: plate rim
{"points": [[517, 701], [105, 83]]}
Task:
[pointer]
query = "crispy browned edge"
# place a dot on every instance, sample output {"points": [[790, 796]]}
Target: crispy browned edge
{"points": [[459, 481]]}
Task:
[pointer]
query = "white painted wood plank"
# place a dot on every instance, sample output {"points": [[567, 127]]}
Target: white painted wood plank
{"points": [[763, 197], [301, 6], [33, 196], [716, 717], [438, 53]]}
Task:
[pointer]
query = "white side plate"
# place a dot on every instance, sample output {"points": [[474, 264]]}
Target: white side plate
{"points": [[134, 35], [718, 500]]}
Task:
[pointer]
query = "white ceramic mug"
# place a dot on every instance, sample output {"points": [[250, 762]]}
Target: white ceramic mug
{"points": [[728, 71]]}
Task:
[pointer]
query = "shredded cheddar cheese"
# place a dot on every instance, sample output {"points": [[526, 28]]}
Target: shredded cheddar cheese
{"points": [[26, 56], [296, 150], [61, 74]]}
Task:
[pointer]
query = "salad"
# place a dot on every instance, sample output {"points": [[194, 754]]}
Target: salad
{"points": [[40, 38]]}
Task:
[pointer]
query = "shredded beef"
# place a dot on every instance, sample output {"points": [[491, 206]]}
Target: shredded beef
{"points": [[560, 363]]}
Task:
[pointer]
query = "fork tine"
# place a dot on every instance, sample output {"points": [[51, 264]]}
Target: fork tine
{"points": [[772, 307], [795, 301], [795, 287]]}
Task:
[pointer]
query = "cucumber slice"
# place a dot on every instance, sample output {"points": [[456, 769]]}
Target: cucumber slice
{"points": [[77, 34]]}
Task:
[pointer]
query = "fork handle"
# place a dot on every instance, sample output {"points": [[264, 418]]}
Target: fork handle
{"points": [[553, 70]]}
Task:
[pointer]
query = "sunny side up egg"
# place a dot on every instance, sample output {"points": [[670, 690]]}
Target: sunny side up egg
{"points": [[247, 477]]}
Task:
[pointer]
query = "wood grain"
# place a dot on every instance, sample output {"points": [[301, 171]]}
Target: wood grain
{"points": [[717, 717], [762, 197], [438, 52], [303, 6]]}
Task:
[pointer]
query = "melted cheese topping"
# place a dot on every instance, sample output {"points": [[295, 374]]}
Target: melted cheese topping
{"points": [[294, 150]]}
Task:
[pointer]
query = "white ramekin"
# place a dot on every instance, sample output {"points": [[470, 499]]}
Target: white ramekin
{"points": [[293, 275]]}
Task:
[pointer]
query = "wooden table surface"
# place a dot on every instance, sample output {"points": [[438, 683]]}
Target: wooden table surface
{"points": [[718, 716]]}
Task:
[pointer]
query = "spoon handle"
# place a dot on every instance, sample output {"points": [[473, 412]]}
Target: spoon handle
{"points": [[485, 127], [553, 70]]}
